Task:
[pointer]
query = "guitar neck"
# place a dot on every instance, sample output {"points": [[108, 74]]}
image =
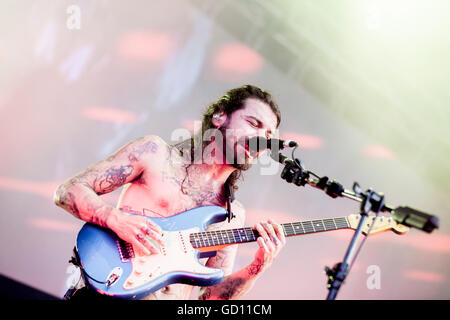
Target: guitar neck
{"points": [[214, 240]]}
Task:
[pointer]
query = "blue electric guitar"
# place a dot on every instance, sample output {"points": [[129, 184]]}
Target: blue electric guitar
{"points": [[112, 267]]}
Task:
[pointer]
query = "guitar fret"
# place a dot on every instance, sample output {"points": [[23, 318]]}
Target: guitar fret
{"points": [[295, 228], [193, 238], [346, 222], [334, 223], [230, 236], [237, 237], [205, 239], [223, 237], [250, 234], [298, 228], [291, 229], [226, 239], [307, 227], [199, 239], [329, 224], [341, 223], [214, 238], [243, 235], [288, 229], [219, 238], [303, 229], [210, 238], [217, 234], [318, 225]]}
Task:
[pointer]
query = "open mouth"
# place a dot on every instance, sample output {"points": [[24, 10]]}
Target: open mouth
{"points": [[248, 152]]}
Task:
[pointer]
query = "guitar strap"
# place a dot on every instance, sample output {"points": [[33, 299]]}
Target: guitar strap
{"points": [[229, 192]]}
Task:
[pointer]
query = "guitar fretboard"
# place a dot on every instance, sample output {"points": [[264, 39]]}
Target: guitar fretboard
{"points": [[242, 235]]}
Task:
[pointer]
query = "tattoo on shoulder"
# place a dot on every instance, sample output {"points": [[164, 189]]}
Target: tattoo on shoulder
{"points": [[149, 146], [112, 179]]}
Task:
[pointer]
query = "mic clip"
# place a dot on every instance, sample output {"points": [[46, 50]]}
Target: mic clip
{"points": [[293, 172]]}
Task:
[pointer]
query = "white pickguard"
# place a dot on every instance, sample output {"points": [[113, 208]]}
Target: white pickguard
{"points": [[177, 255]]}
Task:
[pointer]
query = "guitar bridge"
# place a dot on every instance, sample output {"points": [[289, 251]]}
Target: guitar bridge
{"points": [[125, 250]]}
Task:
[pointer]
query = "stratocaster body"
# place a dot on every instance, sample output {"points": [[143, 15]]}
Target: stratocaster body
{"points": [[129, 275]]}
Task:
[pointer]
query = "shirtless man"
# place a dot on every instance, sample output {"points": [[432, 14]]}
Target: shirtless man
{"points": [[159, 183]]}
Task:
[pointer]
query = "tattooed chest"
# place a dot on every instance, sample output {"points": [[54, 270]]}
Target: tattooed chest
{"points": [[191, 190], [165, 194]]}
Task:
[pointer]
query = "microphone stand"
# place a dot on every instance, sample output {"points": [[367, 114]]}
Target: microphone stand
{"points": [[295, 172], [337, 275]]}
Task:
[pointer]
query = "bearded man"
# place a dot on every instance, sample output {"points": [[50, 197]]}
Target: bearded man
{"points": [[161, 180]]}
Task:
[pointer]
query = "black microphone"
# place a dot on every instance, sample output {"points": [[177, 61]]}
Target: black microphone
{"points": [[261, 143], [416, 219]]}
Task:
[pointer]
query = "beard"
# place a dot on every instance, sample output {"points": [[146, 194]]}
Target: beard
{"points": [[234, 151]]}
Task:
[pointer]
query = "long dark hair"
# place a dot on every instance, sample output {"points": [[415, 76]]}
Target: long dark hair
{"points": [[231, 101]]}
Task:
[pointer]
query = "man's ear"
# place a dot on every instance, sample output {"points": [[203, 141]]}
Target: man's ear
{"points": [[218, 119]]}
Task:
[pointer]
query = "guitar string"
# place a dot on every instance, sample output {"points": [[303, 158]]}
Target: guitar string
{"points": [[221, 237]]}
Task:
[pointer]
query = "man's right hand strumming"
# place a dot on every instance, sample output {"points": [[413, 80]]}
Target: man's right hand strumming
{"points": [[137, 230]]}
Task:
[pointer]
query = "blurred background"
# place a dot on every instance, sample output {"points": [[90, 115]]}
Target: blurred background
{"points": [[363, 86]]}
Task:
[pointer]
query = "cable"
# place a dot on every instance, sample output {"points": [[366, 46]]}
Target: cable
{"points": [[298, 163], [74, 261]]}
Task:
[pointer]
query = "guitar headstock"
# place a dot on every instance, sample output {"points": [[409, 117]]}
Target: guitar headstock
{"points": [[382, 224]]}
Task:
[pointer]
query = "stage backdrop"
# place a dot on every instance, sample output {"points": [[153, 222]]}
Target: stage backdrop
{"points": [[361, 86]]}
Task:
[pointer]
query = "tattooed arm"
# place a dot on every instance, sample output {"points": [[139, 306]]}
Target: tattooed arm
{"points": [[235, 285], [79, 195]]}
